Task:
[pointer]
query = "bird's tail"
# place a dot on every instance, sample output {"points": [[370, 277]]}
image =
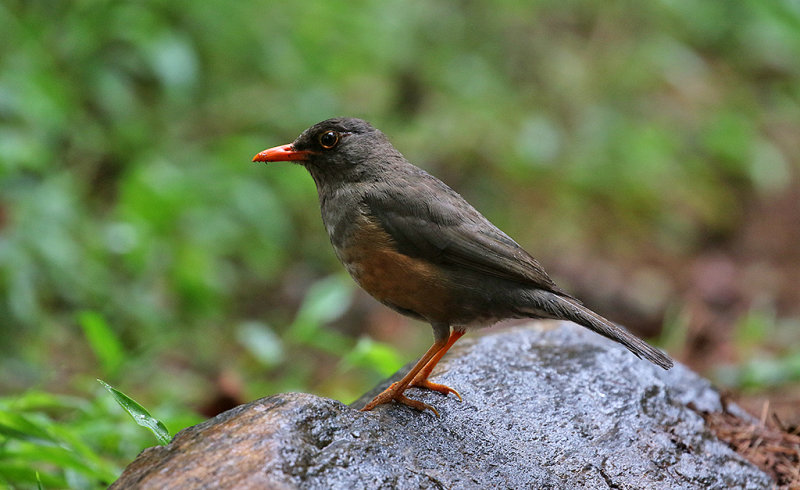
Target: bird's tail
{"points": [[551, 305]]}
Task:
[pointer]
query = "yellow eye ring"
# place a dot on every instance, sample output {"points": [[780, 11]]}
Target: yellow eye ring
{"points": [[328, 139]]}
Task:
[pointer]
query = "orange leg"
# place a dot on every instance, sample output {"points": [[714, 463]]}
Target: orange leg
{"points": [[418, 376], [421, 379], [396, 389]]}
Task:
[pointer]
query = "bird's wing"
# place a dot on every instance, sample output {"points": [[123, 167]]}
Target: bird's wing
{"points": [[450, 231]]}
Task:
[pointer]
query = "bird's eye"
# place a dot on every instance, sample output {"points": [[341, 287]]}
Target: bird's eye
{"points": [[328, 139]]}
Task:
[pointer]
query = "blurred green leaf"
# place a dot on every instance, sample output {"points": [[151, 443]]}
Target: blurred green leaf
{"points": [[325, 301], [22, 475], [761, 372], [104, 342], [381, 357], [13, 425], [675, 329], [34, 400], [753, 328], [261, 342]]}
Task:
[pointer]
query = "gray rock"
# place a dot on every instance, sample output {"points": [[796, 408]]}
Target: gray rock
{"points": [[545, 406]]}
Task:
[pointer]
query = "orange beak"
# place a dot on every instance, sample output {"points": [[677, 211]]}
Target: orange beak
{"points": [[285, 153]]}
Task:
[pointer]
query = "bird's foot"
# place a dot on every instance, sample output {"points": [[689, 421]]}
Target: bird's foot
{"points": [[393, 393], [444, 389]]}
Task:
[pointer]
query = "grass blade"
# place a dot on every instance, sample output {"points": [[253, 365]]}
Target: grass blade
{"points": [[140, 415]]}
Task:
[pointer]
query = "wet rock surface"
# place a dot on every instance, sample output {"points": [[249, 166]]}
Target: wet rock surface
{"points": [[549, 405]]}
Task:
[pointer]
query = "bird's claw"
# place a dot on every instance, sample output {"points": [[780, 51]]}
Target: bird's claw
{"points": [[391, 393], [444, 389]]}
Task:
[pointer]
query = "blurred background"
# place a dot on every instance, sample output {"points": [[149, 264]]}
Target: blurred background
{"points": [[646, 153]]}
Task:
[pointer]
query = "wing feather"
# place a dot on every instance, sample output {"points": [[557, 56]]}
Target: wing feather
{"points": [[450, 231]]}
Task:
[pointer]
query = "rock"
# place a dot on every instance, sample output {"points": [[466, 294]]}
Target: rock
{"points": [[550, 405]]}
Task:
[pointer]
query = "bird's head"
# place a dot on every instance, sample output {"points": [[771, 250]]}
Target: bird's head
{"points": [[345, 147]]}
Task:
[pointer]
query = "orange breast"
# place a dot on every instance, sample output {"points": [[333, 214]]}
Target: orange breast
{"points": [[395, 279]]}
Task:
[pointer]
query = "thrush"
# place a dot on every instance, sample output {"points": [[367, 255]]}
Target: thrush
{"points": [[418, 247]]}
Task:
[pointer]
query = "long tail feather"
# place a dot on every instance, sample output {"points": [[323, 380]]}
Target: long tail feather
{"points": [[551, 305]]}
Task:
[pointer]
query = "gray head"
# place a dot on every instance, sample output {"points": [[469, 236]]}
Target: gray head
{"points": [[338, 149]]}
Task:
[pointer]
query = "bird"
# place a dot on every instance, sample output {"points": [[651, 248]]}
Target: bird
{"points": [[418, 247]]}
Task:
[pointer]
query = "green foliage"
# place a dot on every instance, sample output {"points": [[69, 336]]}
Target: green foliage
{"points": [[369, 354], [326, 301], [103, 341], [674, 330], [762, 372], [764, 342], [58, 442], [310, 333]]}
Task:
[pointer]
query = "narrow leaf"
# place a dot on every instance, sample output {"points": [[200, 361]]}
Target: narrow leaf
{"points": [[140, 415], [104, 342]]}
